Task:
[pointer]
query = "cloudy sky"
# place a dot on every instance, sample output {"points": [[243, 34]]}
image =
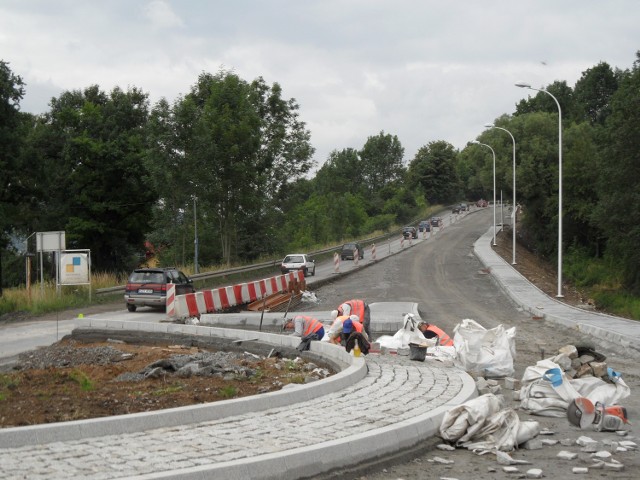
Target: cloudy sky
{"points": [[423, 70]]}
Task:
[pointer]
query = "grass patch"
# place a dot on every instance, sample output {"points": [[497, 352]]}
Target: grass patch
{"points": [[228, 392], [168, 390], [82, 379]]}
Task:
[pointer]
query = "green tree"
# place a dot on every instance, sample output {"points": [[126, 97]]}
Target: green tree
{"points": [[592, 94], [381, 159], [96, 172], [433, 169], [618, 207], [11, 92]]}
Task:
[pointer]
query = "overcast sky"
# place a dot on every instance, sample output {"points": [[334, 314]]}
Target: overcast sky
{"points": [[422, 70]]}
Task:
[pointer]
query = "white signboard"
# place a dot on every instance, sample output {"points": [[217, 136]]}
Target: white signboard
{"points": [[74, 268], [50, 241]]}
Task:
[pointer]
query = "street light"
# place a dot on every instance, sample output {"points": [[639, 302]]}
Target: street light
{"points": [[494, 188], [196, 268], [526, 85], [513, 248]]}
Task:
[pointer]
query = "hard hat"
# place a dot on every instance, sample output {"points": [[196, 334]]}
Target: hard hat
{"points": [[334, 314], [354, 317]]}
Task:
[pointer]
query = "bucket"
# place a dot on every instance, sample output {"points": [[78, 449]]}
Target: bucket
{"points": [[417, 352]]}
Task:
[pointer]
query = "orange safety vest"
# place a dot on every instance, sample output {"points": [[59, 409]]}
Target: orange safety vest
{"points": [[310, 325], [357, 308], [445, 340]]}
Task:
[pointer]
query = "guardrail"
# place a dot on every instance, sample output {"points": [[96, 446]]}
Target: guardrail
{"points": [[257, 266]]}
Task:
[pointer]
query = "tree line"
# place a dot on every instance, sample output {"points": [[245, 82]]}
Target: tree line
{"points": [[234, 159]]}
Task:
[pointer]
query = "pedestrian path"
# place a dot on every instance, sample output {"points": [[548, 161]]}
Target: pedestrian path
{"points": [[620, 331]]}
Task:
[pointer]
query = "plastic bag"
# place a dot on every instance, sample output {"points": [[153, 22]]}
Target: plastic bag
{"points": [[409, 333], [488, 352]]}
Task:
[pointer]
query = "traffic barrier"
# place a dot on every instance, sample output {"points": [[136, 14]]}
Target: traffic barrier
{"points": [[402, 242], [373, 252], [171, 301], [218, 299], [356, 257], [336, 263]]}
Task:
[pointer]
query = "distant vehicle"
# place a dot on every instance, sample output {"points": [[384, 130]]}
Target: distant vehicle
{"points": [[298, 261], [147, 287], [455, 209], [436, 221], [482, 203], [348, 251], [424, 226], [409, 232]]}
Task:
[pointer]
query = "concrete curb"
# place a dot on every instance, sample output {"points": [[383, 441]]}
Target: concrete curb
{"points": [[354, 370]]}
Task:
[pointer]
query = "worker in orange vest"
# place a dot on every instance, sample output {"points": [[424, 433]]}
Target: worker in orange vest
{"points": [[342, 327], [432, 331], [361, 309], [304, 327]]}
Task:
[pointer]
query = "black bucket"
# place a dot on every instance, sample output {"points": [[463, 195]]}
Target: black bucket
{"points": [[417, 352]]}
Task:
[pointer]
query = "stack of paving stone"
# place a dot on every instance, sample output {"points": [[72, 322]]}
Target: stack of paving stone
{"points": [[581, 362]]}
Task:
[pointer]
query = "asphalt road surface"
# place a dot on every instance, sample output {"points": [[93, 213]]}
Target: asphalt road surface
{"points": [[449, 284]]}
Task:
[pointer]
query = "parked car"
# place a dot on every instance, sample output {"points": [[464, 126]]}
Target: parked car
{"points": [[298, 261], [348, 251], [147, 287], [424, 226], [436, 221], [409, 232]]}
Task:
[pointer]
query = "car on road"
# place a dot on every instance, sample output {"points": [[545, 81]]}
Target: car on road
{"points": [[455, 209], [410, 232], [298, 261], [424, 226], [436, 221], [347, 252], [147, 287]]}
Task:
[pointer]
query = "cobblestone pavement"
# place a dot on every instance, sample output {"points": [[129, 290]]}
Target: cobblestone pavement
{"points": [[395, 389]]}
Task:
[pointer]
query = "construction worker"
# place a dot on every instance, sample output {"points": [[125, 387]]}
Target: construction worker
{"points": [[361, 309], [304, 326], [432, 331]]}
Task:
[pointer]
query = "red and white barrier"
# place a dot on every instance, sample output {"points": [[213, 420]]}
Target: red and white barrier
{"points": [[218, 299], [171, 301], [402, 242], [336, 263], [356, 257], [373, 252]]}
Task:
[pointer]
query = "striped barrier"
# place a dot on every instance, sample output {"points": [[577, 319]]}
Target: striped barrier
{"points": [[373, 252], [218, 299], [402, 242], [171, 301], [356, 257], [336, 263]]}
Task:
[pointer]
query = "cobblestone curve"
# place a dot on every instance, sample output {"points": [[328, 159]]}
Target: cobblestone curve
{"points": [[395, 389]]}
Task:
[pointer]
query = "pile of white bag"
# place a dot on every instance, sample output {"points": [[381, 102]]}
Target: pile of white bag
{"points": [[483, 424], [547, 390]]}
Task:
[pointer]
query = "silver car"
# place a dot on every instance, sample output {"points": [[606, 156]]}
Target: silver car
{"points": [[298, 261]]}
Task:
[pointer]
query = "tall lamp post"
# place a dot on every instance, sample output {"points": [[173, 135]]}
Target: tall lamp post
{"points": [[196, 268], [526, 85], [494, 188], [513, 247]]}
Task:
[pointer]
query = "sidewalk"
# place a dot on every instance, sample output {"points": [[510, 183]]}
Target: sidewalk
{"points": [[620, 331]]}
